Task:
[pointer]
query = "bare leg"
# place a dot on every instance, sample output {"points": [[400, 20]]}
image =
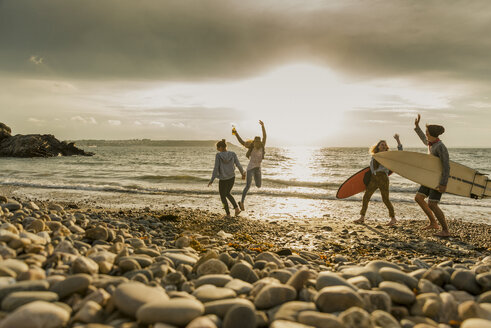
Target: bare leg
{"points": [[441, 218], [420, 199]]}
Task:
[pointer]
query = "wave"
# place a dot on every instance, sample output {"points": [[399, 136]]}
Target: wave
{"points": [[163, 178], [135, 189]]}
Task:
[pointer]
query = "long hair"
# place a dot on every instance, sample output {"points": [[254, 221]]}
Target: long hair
{"points": [[373, 150], [250, 146]]}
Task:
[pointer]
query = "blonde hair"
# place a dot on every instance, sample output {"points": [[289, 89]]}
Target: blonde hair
{"points": [[374, 149]]}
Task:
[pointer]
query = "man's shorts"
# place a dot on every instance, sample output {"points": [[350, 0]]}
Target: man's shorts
{"points": [[432, 194]]}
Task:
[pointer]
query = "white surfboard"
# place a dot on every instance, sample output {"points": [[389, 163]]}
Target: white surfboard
{"points": [[426, 170]]}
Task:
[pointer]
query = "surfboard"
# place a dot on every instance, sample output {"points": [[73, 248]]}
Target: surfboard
{"points": [[426, 170], [353, 185]]}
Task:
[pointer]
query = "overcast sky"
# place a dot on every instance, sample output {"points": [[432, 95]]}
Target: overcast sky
{"points": [[329, 73]]}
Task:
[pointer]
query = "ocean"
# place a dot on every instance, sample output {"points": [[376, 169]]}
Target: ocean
{"points": [[297, 181]]}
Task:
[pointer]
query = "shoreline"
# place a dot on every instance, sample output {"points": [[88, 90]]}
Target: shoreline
{"points": [[330, 233]]}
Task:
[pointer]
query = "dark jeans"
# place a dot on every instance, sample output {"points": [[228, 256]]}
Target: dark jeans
{"points": [[224, 187]]}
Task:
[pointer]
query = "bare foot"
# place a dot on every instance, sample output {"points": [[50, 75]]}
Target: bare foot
{"points": [[237, 211], [392, 222], [241, 205], [360, 221], [227, 216], [431, 226], [443, 234]]}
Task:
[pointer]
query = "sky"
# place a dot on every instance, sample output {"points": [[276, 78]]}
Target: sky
{"points": [[321, 73]]}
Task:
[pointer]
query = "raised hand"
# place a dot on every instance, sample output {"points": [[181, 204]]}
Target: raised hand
{"points": [[261, 122], [396, 136], [416, 121]]}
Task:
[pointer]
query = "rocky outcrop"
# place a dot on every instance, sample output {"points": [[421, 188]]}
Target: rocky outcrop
{"points": [[35, 145]]}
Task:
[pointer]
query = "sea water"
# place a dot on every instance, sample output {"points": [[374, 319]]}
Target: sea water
{"points": [[303, 179]]}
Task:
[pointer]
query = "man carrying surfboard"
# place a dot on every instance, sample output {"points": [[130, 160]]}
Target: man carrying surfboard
{"points": [[438, 149]]}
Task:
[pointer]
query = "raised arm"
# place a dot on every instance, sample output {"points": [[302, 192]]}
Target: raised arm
{"points": [[264, 133], [420, 132], [399, 145], [239, 139]]}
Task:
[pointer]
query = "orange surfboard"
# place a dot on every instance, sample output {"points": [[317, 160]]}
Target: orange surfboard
{"points": [[353, 185]]}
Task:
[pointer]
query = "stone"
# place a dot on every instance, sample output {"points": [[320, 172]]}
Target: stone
{"points": [[221, 307], [426, 286], [243, 271], [35, 285], [360, 282], [212, 266], [398, 293], [344, 297], [269, 257], [319, 319], [484, 280], [37, 314], [182, 242], [376, 300], [129, 297], [327, 278], [282, 275], [484, 297], [72, 284], [240, 316], [299, 279], [273, 295], [89, 312], [476, 323], [471, 309], [376, 265], [36, 226], [384, 319], [15, 265], [291, 310], [465, 280], [355, 271], [449, 308], [437, 276], [97, 233], [287, 324], [84, 264], [177, 312], [16, 299], [200, 322], [356, 317], [219, 280], [207, 293], [391, 274], [178, 258], [239, 286]]}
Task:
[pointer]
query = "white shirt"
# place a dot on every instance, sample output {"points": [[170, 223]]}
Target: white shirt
{"points": [[255, 159]]}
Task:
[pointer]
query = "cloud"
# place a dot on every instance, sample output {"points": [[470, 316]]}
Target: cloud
{"points": [[35, 120], [158, 124], [114, 122], [197, 40], [178, 125], [88, 120], [36, 60]]}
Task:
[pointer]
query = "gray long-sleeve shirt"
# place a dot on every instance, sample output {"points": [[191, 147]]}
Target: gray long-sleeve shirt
{"points": [[439, 150], [225, 163]]}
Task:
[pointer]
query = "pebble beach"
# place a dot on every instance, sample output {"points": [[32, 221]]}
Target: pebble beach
{"points": [[70, 265]]}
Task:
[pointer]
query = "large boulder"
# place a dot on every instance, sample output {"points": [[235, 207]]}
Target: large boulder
{"points": [[35, 145]]}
